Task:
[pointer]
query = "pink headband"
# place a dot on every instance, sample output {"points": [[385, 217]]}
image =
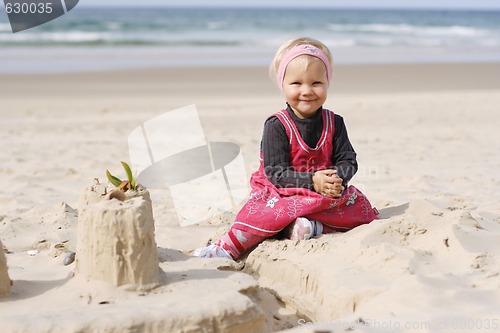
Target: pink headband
{"points": [[298, 51]]}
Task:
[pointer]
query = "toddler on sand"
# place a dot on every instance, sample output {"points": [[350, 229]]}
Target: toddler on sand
{"points": [[301, 188]]}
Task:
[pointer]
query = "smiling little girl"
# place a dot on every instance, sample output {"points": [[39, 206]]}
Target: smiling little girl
{"points": [[301, 188]]}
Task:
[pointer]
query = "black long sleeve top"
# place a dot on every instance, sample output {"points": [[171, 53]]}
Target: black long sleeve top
{"points": [[275, 148]]}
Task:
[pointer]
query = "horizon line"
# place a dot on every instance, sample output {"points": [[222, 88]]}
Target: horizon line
{"points": [[244, 6]]}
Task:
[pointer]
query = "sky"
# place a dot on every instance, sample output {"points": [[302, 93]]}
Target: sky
{"points": [[445, 4]]}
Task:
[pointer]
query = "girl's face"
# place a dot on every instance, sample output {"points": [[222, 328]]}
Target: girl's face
{"points": [[305, 88]]}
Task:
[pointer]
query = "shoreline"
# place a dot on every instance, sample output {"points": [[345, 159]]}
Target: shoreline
{"points": [[358, 78], [81, 58]]}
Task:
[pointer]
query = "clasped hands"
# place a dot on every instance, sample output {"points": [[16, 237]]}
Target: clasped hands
{"points": [[328, 183]]}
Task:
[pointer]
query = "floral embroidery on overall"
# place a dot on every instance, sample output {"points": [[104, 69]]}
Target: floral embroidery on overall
{"points": [[279, 212], [252, 205], [310, 201], [271, 202], [294, 207], [365, 207], [351, 199]]}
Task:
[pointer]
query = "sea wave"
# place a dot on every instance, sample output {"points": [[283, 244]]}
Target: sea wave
{"points": [[204, 38], [83, 38], [264, 28], [5, 27], [406, 29]]}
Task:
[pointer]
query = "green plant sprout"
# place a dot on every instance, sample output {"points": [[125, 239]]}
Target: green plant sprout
{"points": [[124, 185]]}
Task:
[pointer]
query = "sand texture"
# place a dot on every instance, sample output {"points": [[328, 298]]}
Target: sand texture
{"points": [[426, 138], [5, 282], [116, 240]]}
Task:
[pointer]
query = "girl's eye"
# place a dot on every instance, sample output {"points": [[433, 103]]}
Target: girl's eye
{"points": [[317, 82], [295, 83]]}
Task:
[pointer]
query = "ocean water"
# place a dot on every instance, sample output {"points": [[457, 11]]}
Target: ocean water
{"points": [[96, 38]]}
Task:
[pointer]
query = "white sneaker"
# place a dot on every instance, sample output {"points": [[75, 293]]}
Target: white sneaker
{"points": [[211, 251], [304, 228], [317, 228]]}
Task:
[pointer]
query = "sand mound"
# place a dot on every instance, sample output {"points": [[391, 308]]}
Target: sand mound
{"points": [[195, 296], [4, 275], [159, 290], [116, 240], [392, 268]]}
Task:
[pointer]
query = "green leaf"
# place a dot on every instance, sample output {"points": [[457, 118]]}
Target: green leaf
{"points": [[133, 183], [112, 179], [129, 172]]}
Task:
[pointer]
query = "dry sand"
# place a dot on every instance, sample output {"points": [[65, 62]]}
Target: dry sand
{"points": [[427, 141]]}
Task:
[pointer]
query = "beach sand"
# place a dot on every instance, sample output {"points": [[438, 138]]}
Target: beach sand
{"points": [[426, 137]]}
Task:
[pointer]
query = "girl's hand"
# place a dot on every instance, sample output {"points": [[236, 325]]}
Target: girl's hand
{"points": [[328, 183]]}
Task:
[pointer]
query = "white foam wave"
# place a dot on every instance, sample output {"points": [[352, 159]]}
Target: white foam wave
{"points": [[57, 37], [74, 36], [216, 25], [407, 29], [5, 27], [458, 31], [114, 26], [342, 42]]}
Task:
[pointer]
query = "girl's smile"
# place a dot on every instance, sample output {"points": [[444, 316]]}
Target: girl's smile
{"points": [[305, 87]]}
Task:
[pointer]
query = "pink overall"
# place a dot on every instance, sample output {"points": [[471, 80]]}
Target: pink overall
{"points": [[270, 209]]}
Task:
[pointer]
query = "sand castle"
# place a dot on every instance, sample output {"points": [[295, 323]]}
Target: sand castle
{"points": [[5, 282], [116, 240]]}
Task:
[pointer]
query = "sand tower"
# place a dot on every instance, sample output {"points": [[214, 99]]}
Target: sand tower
{"points": [[115, 241], [5, 281]]}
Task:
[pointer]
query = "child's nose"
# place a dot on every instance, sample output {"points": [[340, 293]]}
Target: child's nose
{"points": [[306, 89]]}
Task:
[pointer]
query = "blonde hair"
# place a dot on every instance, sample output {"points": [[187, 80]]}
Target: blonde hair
{"points": [[273, 68]]}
